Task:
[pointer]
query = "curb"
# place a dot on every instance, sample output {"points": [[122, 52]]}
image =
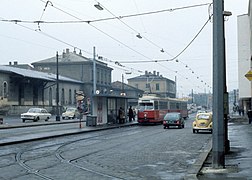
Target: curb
{"points": [[23, 125], [60, 134], [194, 170]]}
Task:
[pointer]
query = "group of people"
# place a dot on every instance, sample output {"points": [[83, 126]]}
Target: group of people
{"points": [[241, 112], [121, 115]]}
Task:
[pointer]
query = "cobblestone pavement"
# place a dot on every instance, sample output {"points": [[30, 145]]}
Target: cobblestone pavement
{"points": [[138, 152]]}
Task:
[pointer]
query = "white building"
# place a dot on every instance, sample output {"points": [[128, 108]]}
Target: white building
{"points": [[245, 57]]}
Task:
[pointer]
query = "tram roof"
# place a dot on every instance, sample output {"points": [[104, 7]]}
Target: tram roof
{"points": [[153, 97]]}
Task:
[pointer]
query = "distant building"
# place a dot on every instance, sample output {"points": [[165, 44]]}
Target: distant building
{"points": [[154, 83]]}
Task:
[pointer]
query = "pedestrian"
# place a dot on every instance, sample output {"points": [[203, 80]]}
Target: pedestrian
{"points": [[249, 113], [121, 115], [239, 110], [242, 111], [131, 114]]}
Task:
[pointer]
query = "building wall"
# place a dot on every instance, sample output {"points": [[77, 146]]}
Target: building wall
{"points": [[82, 71], [244, 54], [23, 93]]}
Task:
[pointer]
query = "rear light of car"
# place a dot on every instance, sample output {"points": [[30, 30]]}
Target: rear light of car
{"points": [[177, 122], [164, 122]]}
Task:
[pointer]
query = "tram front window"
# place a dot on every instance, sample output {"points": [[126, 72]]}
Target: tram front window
{"points": [[145, 106]]}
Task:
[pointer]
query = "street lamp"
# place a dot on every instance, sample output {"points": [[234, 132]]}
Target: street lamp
{"points": [[219, 84], [139, 36], [98, 6], [226, 143]]}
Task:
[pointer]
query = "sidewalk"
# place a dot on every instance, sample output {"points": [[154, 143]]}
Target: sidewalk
{"points": [[238, 162], [45, 135]]}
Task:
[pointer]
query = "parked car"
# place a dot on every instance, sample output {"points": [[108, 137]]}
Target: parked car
{"points": [[203, 122], [173, 119], [36, 114], [70, 113]]}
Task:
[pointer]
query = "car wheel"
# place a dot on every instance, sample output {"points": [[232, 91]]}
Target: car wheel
{"points": [[23, 120], [73, 117], [193, 131], [183, 126], [47, 119], [63, 117], [35, 120], [164, 127]]}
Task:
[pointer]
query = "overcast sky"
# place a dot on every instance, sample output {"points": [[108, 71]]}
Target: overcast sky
{"points": [[163, 24]]}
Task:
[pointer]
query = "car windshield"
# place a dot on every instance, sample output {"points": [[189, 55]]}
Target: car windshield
{"points": [[70, 110], [33, 110], [203, 116], [171, 116], [145, 106]]}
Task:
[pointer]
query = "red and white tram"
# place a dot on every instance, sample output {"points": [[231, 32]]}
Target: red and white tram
{"points": [[152, 109]]}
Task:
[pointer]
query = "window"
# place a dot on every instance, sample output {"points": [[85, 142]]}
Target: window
{"points": [[50, 96], [163, 105], [157, 87], [70, 97], [98, 76], [5, 89], [74, 96], [106, 77], [62, 96]]}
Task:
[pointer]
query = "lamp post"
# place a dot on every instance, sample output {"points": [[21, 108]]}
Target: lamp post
{"points": [[226, 143], [57, 87], [219, 86], [94, 81]]}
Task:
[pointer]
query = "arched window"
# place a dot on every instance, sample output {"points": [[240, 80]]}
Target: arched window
{"points": [[70, 97], [50, 96], [75, 97], [62, 96], [5, 89]]}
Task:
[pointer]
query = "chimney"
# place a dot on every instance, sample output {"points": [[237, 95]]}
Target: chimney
{"points": [[63, 54], [67, 51], [157, 73], [9, 63], [146, 72], [154, 72], [15, 63], [80, 53]]}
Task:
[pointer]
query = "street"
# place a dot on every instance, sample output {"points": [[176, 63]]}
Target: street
{"points": [[137, 152]]}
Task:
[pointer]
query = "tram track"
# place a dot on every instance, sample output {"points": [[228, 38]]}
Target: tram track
{"points": [[57, 149], [31, 170]]}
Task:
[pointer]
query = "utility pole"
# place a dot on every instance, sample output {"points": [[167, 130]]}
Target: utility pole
{"points": [[57, 87], [218, 84], [94, 81]]}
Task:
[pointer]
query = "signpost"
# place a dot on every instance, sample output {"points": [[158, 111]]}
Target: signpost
{"points": [[249, 75]]}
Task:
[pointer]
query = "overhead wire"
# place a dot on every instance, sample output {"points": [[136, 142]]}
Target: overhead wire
{"points": [[119, 17]]}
